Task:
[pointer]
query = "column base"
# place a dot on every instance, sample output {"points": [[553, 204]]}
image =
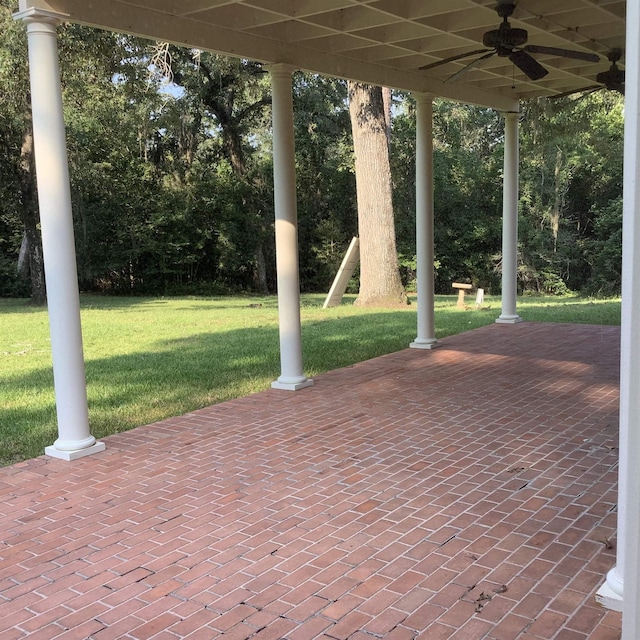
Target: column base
{"points": [[508, 320], [289, 385], [609, 595], [98, 447], [424, 343]]}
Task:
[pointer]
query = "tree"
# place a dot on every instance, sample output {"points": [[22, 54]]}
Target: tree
{"points": [[571, 177], [121, 206], [172, 191], [469, 150], [235, 94], [327, 213], [380, 283], [468, 162], [19, 170]]}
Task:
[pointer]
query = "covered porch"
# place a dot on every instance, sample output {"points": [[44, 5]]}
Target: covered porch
{"points": [[463, 492], [393, 44]]}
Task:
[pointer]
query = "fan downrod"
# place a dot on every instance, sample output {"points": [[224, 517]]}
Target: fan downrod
{"points": [[505, 9], [505, 38]]}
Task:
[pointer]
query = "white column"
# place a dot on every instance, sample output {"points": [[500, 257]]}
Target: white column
{"points": [[626, 573], [292, 377], [509, 314], [426, 338], [74, 439]]}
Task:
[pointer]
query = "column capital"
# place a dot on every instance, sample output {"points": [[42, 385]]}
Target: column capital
{"points": [[280, 68], [32, 14], [424, 97]]}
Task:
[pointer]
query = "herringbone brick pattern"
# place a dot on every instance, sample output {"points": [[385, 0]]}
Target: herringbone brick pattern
{"points": [[465, 492]]}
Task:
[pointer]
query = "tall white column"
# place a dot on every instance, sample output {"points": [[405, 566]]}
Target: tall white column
{"points": [[74, 439], [292, 377], [509, 314], [625, 576], [426, 338]]}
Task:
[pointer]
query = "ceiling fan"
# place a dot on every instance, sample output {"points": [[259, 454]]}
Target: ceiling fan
{"points": [[612, 79], [510, 42]]}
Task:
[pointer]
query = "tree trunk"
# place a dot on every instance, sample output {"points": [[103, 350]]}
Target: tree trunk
{"points": [[555, 211], [232, 144], [260, 274], [380, 283], [30, 217]]}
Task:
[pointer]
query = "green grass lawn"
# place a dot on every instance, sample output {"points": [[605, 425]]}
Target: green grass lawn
{"points": [[151, 358]]}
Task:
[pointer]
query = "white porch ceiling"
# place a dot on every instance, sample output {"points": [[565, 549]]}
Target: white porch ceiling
{"points": [[378, 41]]}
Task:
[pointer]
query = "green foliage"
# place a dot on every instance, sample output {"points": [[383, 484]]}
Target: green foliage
{"points": [[605, 251], [327, 211], [571, 175], [467, 185], [402, 149], [408, 271], [13, 106], [170, 163]]}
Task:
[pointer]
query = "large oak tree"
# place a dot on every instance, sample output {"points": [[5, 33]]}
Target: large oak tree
{"points": [[380, 283]]}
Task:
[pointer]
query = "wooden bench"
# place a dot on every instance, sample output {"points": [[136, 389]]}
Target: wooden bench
{"points": [[462, 289]]}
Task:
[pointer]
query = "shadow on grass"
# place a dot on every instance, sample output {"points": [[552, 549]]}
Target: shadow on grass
{"points": [[178, 376], [181, 375]]}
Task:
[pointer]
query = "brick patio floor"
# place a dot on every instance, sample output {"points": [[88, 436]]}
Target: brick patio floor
{"points": [[466, 492]]}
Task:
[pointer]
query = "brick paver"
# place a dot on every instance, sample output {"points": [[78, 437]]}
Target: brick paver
{"points": [[464, 492]]}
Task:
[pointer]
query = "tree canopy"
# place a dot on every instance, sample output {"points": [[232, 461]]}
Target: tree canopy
{"points": [[170, 164]]}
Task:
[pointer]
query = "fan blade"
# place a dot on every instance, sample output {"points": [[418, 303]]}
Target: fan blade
{"points": [[564, 53], [590, 89], [470, 66], [530, 67], [585, 90], [453, 58]]}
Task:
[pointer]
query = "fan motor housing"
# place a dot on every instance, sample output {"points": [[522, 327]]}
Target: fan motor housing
{"points": [[504, 40]]}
